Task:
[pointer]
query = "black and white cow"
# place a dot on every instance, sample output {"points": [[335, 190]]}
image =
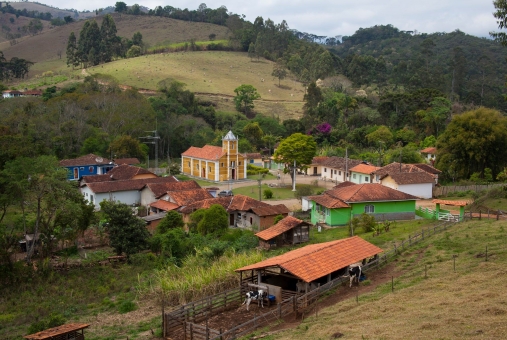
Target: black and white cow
{"points": [[258, 295], [354, 272]]}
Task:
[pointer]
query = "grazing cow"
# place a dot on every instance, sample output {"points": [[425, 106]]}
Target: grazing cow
{"points": [[258, 295], [354, 273]]}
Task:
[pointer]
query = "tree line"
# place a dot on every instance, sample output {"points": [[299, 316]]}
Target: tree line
{"points": [[101, 45]]}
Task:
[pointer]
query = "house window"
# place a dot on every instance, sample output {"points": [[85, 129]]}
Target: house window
{"points": [[91, 198], [81, 168], [233, 163], [377, 177], [189, 164], [366, 179], [90, 169], [335, 172], [354, 176], [369, 209], [209, 169], [232, 146], [251, 220], [327, 212], [339, 173], [325, 169], [239, 163], [221, 165]]}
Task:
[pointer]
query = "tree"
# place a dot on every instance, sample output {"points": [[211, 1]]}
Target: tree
{"points": [[251, 51], [40, 188], [253, 132], [215, 221], [279, 70], [474, 141], [127, 233], [127, 146], [134, 51], [501, 15], [296, 150], [35, 26], [435, 116], [171, 220], [245, 95], [120, 7], [107, 39], [137, 39]]}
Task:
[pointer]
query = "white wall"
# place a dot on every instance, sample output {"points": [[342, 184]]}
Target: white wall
{"points": [[422, 190], [127, 197]]}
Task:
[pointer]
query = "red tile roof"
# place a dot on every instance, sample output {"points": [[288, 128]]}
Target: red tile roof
{"points": [[319, 159], [317, 260], [344, 184], [282, 226], [164, 205], [270, 210], [364, 168], [208, 152], [124, 185], [453, 203], [89, 159], [186, 197], [238, 203], [369, 192], [428, 168], [95, 178], [395, 167], [411, 177], [253, 155], [129, 161], [205, 204], [328, 201], [160, 189], [431, 150], [125, 171], [55, 331]]}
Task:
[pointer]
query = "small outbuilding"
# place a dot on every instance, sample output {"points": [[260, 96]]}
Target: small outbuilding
{"points": [[288, 231], [69, 331]]}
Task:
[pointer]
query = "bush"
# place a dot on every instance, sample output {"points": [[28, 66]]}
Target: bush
{"points": [[255, 170], [365, 221], [126, 306], [303, 190], [54, 320], [268, 194]]}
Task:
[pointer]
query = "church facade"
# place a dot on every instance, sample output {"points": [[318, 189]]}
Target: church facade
{"points": [[215, 163]]}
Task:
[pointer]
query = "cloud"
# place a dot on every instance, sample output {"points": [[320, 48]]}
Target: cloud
{"points": [[326, 17]]}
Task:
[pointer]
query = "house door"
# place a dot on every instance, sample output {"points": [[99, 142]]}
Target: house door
{"points": [[315, 170], [76, 173], [233, 171], [231, 219], [203, 173]]}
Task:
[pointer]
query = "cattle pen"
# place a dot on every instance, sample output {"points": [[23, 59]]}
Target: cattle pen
{"points": [[197, 320]]}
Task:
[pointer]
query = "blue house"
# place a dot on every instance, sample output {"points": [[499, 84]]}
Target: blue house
{"points": [[92, 165]]}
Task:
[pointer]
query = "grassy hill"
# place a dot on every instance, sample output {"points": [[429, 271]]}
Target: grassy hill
{"points": [[55, 12], [448, 304], [15, 27], [45, 46]]}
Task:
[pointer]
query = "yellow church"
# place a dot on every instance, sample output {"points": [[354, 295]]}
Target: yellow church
{"points": [[215, 163]]}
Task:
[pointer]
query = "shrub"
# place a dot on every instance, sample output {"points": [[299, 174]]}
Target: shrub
{"points": [[365, 221], [277, 219], [53, 320], [303, 190], [268, 193], [126, 306]]}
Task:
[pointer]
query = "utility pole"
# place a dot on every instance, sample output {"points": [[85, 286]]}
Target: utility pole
{"points": [[153, 140]]}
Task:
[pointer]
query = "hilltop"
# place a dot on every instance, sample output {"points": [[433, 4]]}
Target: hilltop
{"points": [[45, 46], [55, 12]]}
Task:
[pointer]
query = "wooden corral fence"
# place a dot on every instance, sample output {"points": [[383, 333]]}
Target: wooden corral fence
{"points": [[173, 322], [444, 190], [484, 212], [186, 316]]}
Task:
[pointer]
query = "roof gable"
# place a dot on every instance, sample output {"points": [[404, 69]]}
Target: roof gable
{"points": [[364, 168], [411, 177], [124, 185], [185, 197], [317, 260], [160, 189]]}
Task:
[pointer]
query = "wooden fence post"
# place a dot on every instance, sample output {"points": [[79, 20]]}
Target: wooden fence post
{"points": [[191, 332]]}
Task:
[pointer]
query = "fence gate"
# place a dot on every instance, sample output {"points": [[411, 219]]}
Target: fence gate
{"points": [[194, 331]]}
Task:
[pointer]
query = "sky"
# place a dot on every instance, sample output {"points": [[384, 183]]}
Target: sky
{"points": [[339, 17]]}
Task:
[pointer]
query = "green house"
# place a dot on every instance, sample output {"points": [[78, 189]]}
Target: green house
{"points": [[348, 200]]}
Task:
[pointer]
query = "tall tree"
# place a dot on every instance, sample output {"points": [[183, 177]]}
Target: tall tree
{"points": [[296, 150], [245, 95], [107, 38], [72, 56], [501, 15], [279, 70]]}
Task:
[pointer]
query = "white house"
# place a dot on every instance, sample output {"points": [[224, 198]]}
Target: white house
{"points": [[429, 154], [419, 184], [337, 169]]}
